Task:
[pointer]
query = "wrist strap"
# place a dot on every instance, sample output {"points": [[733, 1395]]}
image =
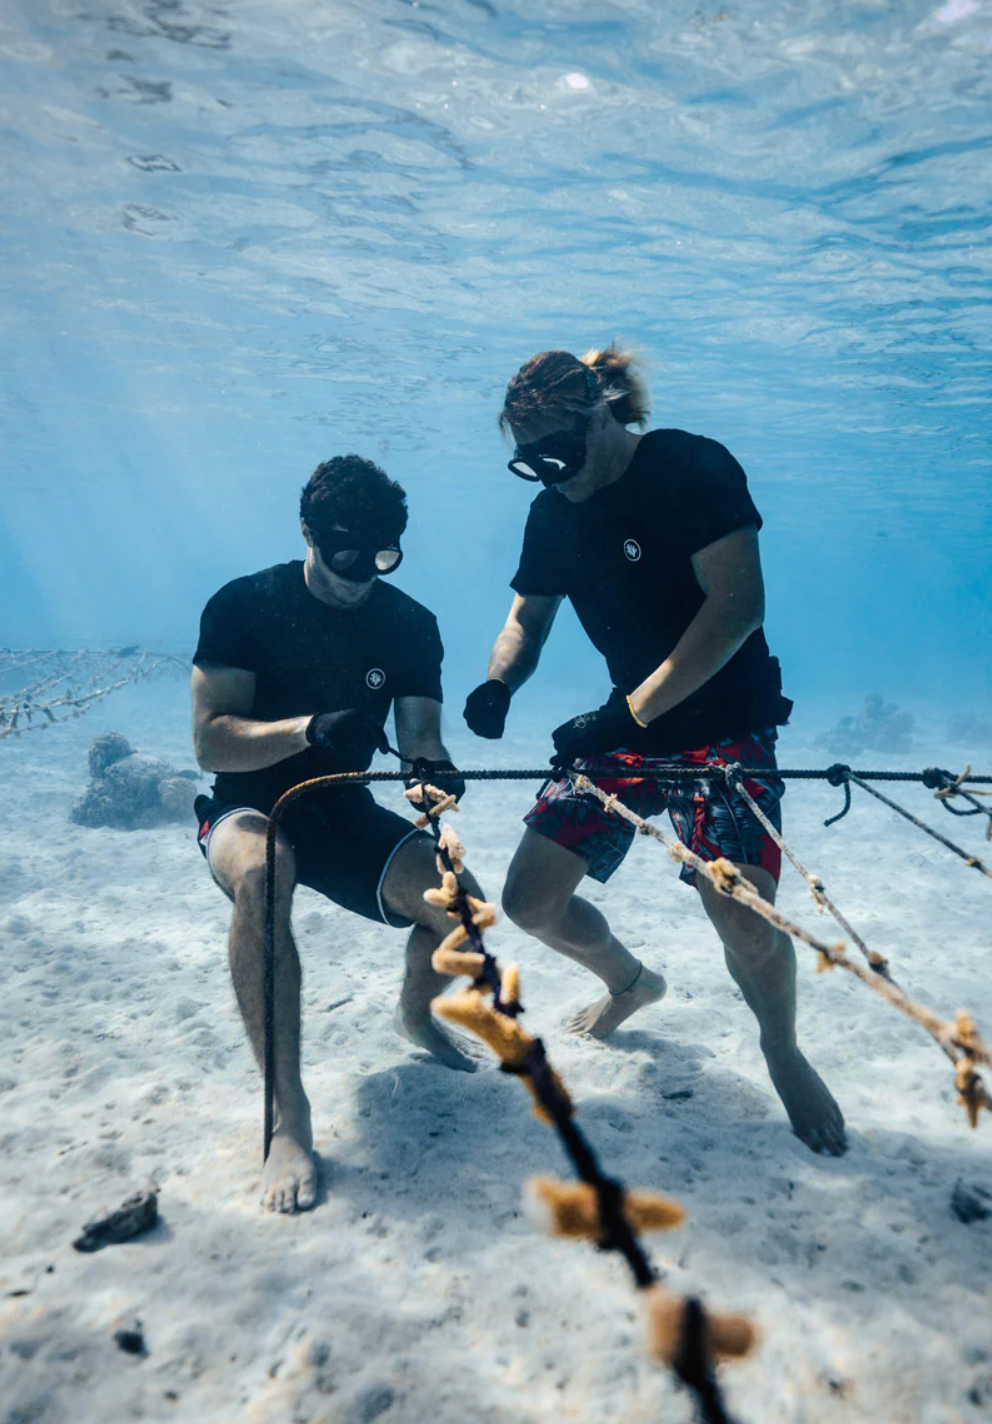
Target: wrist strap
{"points": [[630, 709]]}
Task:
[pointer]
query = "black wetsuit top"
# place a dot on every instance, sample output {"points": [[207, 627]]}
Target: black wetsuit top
{"points": [[624, 558], [308, 657]]}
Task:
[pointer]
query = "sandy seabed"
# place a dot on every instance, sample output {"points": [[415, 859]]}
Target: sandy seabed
{"points": [[417, 1292]]}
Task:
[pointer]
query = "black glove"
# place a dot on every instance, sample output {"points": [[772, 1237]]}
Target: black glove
{"points": [[442, 774], [352, 736], [592, 733], [486, 708]]}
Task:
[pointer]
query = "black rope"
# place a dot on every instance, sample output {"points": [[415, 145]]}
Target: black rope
{"points": [[692, 1365], [663, 772], [839, 775], [971, 860]]}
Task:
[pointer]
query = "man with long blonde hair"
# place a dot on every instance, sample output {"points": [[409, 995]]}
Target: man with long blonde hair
{"points": [[654, 539]]}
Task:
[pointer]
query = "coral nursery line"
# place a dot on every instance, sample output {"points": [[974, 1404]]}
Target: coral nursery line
{"points": [[53, 685], [681, 1333]]}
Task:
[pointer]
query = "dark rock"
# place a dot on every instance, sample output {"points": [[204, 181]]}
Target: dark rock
{"points": [[130, 791], [132, 1341], [111, 747], [879, 727], [139, 1213], [970, 1203], [370, 1403]]}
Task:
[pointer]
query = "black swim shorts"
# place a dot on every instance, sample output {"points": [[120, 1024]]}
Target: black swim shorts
{"points": [[343, 842]]}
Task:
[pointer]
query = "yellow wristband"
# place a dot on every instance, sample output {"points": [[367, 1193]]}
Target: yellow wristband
{"points": [[630, 709]]}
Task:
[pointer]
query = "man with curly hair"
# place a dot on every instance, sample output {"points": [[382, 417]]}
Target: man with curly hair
{"points": [[294, 675]]}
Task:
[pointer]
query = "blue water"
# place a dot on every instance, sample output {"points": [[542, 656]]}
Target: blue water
{"points": [[240, 238]]}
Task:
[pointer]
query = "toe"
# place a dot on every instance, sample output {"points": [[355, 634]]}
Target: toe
{"points": [[306, 1194]]}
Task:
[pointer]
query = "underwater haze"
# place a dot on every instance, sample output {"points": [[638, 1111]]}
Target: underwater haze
{"points": [[239, 238]]}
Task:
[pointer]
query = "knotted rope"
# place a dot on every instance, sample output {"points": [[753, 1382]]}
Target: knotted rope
{"points": [[681, 1333], [944, 786], [959, 1039]]}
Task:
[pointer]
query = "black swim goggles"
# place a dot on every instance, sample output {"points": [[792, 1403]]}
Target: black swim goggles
{"points": [[554, 459], [357, 558]]}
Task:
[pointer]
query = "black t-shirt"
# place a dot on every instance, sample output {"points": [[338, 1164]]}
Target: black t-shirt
{"points": [[624, 558], [308, 657]]}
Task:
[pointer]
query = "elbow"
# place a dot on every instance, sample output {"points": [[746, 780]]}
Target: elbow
{"points": [[755, 618], [747, 612], [203, 758], [203, 749]]}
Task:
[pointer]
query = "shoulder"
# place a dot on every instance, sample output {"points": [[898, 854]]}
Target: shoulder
{"points": [[399, 609], [699, 486], [680, 451], [265, 584], [676, 464]]}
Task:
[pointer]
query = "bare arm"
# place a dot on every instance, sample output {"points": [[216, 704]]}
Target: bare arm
{"points": [[225, 737], [729, 573], [517, 650], [418, 729]]}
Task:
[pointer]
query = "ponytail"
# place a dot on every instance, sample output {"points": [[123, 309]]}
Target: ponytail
{"points": [[558, 381], [620, 383]]}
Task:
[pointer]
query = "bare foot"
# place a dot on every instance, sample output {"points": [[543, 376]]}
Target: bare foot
{"points": [[289, 1177], [600, 1019], [816, 1119], [424, 1032]]}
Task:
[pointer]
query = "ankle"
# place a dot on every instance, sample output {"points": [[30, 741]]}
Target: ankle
{"points": [[631, 982], [779, 1046], [293, 1115]]}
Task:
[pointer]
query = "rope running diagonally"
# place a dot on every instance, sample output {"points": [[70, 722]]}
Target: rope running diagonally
{"points": [[734, 779], [960, 1040], [837, 775], [972, 860], [877, 961]]}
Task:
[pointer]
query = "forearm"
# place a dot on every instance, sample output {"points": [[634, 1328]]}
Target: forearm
{"points": [[514, 657], [709, 642], [228, 743]]}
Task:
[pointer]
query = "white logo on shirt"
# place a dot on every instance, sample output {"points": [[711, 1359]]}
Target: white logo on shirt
{"points": [[632, 550], [374, 678]]}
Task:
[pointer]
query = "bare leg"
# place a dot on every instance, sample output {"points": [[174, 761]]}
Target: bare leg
{"points": [[413, 871], [762, 961], [237, 858], [539, 897]]}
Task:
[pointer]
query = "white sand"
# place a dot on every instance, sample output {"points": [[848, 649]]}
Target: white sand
{"points": [[416, 1291]]}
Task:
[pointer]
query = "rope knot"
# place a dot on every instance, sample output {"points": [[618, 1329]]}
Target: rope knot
{"points": [[934, 778], [838, 774]]}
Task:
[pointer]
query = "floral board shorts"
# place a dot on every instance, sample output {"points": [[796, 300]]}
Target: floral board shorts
{"points": [[708, 818]]}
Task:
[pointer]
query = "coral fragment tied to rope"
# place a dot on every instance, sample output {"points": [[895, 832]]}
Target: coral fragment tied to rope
{"points": [[959, 1039], [680, 1333]]}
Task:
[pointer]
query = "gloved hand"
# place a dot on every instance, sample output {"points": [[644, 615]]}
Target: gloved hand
{"points": [[351, 735], [592, 733], [486, 708], [442, 774]]}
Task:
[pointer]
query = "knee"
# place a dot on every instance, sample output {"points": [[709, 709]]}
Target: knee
{"points": [[249, 884], [759, 946]]}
